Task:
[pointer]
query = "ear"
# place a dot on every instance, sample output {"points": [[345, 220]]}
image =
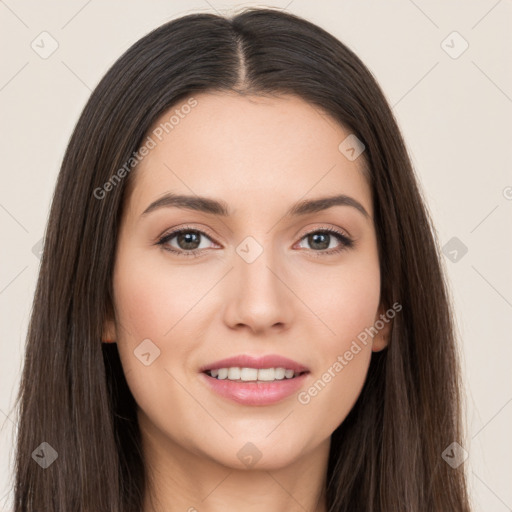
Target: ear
{"points": [[384, 326], [109, 332]]}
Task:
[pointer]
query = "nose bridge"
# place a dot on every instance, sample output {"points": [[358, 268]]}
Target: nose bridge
{"points": [[256, 264], [260, 298]]}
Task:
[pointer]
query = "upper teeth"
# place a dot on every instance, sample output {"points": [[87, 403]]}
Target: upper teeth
{"points": [[236, 373]]}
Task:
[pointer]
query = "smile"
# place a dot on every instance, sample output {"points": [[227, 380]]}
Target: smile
{"points": [[254, 386], [245, 374]]}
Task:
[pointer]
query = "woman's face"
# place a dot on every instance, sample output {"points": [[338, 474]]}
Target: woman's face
{"points": [[258, 282]]}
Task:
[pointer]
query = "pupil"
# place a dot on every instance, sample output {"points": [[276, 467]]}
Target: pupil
{"points": [[188, 240], [324, 244]]}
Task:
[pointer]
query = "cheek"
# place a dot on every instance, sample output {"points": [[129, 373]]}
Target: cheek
{"points": [[347, 307], [330, 396], [342, 370], [345, 299], [152, 297], [353, 310], [155, 302]]}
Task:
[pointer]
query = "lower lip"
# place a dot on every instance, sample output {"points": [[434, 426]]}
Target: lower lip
{"points": [[255, 393]]}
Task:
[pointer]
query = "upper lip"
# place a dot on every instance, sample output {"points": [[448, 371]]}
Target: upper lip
{"points": [[248, 361]]}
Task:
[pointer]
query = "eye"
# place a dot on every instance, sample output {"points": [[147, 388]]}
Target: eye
{"points": [[188, 241], [322, 238]]}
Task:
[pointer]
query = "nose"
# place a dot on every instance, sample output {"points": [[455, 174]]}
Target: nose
{"points": [[259, 297]]}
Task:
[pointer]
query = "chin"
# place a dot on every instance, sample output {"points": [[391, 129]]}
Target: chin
{"points": [[258, 455]]}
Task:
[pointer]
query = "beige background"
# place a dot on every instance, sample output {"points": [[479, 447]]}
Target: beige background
{"points": [[455, 114]]}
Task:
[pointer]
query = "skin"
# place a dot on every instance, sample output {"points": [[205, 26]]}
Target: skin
{"points": [[250, 152]]}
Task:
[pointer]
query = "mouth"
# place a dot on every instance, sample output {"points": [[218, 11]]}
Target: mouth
{"points": [[246, 374], [249, 380]]}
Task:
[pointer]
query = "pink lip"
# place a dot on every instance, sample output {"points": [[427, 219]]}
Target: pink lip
{"points": [[247, 361], [255, 393]]}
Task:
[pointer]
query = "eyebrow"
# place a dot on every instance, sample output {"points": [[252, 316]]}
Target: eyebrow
{"points": [[217, 207]]}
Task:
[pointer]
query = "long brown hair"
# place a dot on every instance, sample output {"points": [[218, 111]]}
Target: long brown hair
{"points": [[387, 454]]}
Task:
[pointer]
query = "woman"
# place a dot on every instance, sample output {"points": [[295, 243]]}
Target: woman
{"points": [[241, 304]]}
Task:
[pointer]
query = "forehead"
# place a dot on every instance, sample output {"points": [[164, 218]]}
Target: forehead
{"points": [[249, 150]]}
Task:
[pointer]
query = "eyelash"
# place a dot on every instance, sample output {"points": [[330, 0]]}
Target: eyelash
{"points": [[345, 241]]}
